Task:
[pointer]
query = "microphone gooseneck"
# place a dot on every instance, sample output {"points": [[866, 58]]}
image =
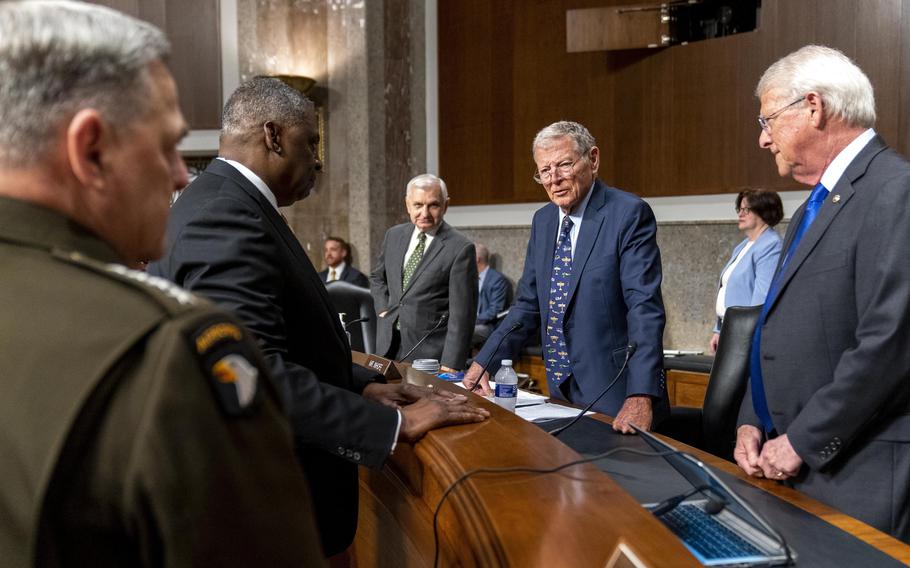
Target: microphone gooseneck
{"points": [[442, 320], [712, 507], [515, 326], [348, 325], [630, 350]]}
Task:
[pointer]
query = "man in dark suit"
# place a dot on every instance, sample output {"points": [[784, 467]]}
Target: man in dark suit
{"points": [[426, 269], [828, 408], [494, 293], [337, 256], [227, 241], [591, 284]]}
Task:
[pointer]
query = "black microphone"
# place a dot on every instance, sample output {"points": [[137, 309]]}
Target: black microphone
{"points": [[712, 507], [442, 320], [515, 326], [630, 350], [348, 325]]}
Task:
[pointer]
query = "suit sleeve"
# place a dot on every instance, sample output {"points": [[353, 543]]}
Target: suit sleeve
{"points": [[640, 277], [360, 279], [765, 263], [870, 379], [379, 285], [205, 488], [225, 254], [462, 308], [498, 292]]}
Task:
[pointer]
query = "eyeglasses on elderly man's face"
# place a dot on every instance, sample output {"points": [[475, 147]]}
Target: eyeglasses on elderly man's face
{"points": [[764, 121], [565, 169]]}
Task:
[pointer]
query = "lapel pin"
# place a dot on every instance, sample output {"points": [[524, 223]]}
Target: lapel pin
{"points": [[836, 198]]}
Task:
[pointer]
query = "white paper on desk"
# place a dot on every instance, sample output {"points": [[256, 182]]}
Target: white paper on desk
{"points": [[524, 397], [678, 352], [546, 411]]}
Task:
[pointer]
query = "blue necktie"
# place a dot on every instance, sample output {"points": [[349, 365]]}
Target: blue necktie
{"points": [[556, 358], [759, 400]]}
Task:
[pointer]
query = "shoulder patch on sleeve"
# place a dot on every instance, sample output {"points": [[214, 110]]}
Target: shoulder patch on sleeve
{"points": [[228, 361]]}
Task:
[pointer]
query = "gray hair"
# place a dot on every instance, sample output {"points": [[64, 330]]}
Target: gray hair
{"points": [[844, 87], [578, 133], [57, 57], [260, 100], [425, 181]]}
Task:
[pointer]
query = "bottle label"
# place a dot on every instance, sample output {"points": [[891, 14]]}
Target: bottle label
{"points": [[506, 391]]}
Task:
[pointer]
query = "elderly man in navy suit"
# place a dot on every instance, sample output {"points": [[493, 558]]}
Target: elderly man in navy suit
{"points": [[494, 293], [591, 284], [828, 407]]}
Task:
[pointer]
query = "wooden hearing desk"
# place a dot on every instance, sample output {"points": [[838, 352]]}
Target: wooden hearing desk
{"points": [[577, 517]]}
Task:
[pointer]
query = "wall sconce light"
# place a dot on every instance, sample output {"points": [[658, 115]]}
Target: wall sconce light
{"points": [[306, 86]]}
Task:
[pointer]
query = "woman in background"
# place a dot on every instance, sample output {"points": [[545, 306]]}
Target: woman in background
{"points": [[747, 276]]}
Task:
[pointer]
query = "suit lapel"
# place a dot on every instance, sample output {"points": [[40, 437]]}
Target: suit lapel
{"points": [[591, 224], [548, 247], [826, 215], [439, 243], [395, 263]]}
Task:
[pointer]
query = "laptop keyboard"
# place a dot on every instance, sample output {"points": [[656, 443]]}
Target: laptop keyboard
{"points": [[705, 534]]}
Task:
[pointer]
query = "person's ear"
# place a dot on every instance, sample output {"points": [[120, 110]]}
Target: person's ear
{"points": [[816, 105], [88, 137], [595, 159], [272, 137]]}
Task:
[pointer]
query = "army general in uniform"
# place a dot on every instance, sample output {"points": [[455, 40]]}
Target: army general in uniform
{"points": [[138, 426]]}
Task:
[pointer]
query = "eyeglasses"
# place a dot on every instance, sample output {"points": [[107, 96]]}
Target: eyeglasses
{"points": [[565, 168], [743, 210], [764, 121]]}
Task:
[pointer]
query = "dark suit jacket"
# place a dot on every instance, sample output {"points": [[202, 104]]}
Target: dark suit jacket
{"points": [[225, 241], [445, 281], [350, 274], [835, 352], [614, 299], [493, 297]]}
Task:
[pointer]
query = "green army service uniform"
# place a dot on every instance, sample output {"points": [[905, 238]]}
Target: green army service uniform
{"points": [[137, 424]]}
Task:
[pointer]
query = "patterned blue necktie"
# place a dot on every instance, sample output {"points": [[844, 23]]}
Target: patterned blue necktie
{"points": [[759, 400], [556, 358]]}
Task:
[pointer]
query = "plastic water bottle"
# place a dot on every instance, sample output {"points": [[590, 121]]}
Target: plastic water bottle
{"points": [[506, 386]]}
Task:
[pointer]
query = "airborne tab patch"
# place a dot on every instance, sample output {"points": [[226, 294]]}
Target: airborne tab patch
{"points": [[227, 361]]}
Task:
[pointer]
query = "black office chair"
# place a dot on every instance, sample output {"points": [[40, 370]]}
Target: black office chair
{"points": [[713, 427], [355, 303]]}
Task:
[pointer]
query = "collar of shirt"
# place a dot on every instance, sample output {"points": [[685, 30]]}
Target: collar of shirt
{"points": [[413, 244], [338, 269], [838, 166], [576, 215], [255, 180], [481, 276]]}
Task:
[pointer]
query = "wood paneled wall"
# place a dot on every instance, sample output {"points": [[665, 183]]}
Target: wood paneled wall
{"points": [[673, 121], [194, 32]]}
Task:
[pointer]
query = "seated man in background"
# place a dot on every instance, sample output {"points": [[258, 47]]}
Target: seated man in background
{"points": [[591, 284], [493, 294], [426, 271], [138, 425], [337, 255], [228, 242]]}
